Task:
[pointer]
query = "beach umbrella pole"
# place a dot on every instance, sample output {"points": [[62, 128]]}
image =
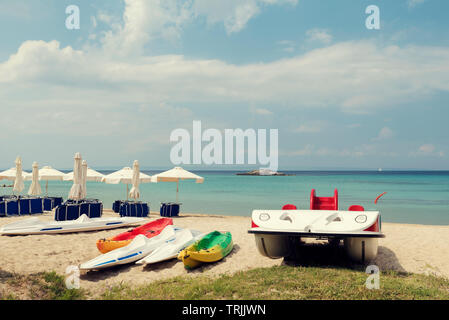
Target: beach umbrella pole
{"points": [[46, 188], [177, 190]]}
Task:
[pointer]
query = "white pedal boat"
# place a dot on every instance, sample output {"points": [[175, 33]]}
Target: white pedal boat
{"points": [[83, 223], [274, 230], [140, 247], [171, 247]]}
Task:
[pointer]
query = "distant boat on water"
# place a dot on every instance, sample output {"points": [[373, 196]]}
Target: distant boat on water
{"points": [[263, 172], [380, 169]]}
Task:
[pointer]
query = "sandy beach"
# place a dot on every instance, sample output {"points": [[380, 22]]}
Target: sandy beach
{"points": [[407, 247]]}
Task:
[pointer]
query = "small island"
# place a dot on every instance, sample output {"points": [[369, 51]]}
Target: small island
{"points": [[263, 172]]}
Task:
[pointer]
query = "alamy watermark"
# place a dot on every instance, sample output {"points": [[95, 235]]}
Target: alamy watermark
{"points": [[373, 280], [72, 22], [72, 281], [228, 148], [372, 22]]}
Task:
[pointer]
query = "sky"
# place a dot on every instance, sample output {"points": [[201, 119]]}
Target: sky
{"points": [[340, 95]]}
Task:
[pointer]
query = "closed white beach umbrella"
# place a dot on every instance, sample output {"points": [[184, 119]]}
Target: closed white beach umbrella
{"points": [[135, 192], [47, 173], [76, 191], [91, 175], [18, 182], [125, 176], [35, 188], [84, 179], [175, 175]]}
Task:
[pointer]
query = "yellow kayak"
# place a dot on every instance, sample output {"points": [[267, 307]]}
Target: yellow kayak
{"points": [[211, 248]]}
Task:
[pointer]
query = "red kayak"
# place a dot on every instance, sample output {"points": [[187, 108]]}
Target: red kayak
{"points": [[149, 229]]}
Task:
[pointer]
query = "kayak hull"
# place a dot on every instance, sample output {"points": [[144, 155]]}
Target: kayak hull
{"points": [[149, 230], [106, 245], [33, 226], [211, 248], [171, 248], [139, 247]]}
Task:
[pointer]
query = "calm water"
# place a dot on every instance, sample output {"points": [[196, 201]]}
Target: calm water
{"points": [[412, 197]]}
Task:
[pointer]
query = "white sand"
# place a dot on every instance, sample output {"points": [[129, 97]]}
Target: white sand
{"points": [[411, 248]]}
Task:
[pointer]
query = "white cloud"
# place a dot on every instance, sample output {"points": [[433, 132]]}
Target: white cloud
{"points": [[99, 92], [311, 127], [379, 77], [428, 149], [306, 151], [287, 45], [105, 18], [64, 83], [262, 111], [93, 20], [363, 150], [384, 133], [319, 35], [234, 14], [40, 60], [414, 3], [144, 21]]}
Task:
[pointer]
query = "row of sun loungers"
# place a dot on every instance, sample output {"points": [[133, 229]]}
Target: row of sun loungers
{"points": [[139, 209], [18, 205], [72, 209]]}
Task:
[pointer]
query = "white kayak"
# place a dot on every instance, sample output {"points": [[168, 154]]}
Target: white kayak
{"points": [[140, 247], [171, 247], [83, 223]]}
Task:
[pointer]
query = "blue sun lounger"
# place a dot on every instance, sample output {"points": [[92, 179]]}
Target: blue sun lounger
{"points": [[12, 206], [116, 205], [2, 208], [134, 209], [170, 209], [24, 206], [36, 205], [50, 203], [72, 210]]}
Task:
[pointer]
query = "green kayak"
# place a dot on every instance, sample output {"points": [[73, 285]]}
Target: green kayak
{"points": [[212, 247]]}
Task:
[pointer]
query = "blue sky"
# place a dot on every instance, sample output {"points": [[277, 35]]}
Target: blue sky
{"points": [[341, 96]]}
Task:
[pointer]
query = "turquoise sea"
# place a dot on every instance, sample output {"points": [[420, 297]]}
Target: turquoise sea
{"points": [[420, 197]]}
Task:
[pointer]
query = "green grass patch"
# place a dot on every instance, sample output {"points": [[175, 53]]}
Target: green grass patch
{"points": [[38, 286], [279, 282], [286, 282]]}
